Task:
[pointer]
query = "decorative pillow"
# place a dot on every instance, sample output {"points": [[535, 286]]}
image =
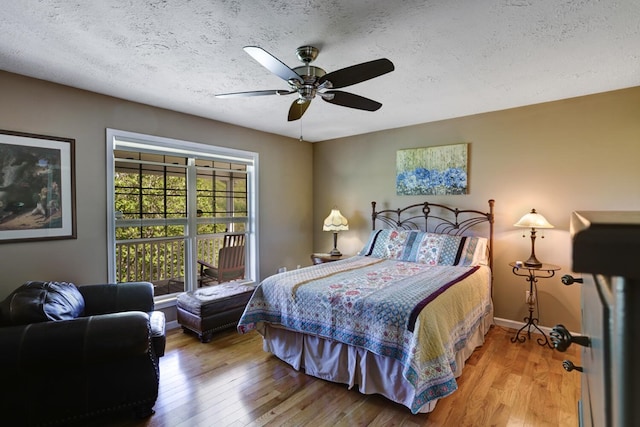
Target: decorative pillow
{"points": [[426, 248], [394, 244], [444, 249], [376, 246], [429, 248], [402, 244], [474, 252], [42, 301]]}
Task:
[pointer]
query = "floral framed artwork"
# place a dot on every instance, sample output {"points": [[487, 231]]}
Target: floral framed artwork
{"points": [[439, 170], [37, 188]]}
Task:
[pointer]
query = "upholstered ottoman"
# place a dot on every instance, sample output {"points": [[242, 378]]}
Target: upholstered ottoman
{"points": [[212, 308]]}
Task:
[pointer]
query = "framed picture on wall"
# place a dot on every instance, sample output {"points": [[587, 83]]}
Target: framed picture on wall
{"points": [[439, 170], [37, 188]]}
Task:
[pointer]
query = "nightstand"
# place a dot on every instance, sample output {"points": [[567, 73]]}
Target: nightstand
{"points": [[532, 274], [322, 258]]}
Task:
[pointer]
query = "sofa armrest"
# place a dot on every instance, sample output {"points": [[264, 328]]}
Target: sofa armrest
{"points": [[79, 342], [113, 298], [158, 322]]}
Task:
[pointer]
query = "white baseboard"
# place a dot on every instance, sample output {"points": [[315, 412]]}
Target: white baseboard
{"points": [[172, 325]]}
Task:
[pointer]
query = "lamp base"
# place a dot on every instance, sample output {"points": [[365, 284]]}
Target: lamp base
{"points": [[335, 251], [532, 262]]}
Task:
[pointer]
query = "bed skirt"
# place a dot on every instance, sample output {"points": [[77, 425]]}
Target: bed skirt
{"points": [[355, 366]]}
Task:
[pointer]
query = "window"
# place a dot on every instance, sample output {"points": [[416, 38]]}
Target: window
{"points": [[172, 203]]}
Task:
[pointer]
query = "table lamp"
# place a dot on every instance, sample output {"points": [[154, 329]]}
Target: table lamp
{"points": [[534, 221], [335, 222]]}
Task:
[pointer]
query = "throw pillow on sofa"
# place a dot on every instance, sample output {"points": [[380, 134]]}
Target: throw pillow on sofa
{"points": [[42, 301]]}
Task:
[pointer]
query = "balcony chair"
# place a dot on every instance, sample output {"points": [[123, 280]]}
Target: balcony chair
{"points": [[234, 239], [230, 261]]}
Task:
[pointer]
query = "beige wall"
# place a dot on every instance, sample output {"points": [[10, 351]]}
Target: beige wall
{"points": [[34, 106], [557, 157]]}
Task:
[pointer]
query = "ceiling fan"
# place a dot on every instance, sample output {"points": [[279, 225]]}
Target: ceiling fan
{"points": [[308, 81]]}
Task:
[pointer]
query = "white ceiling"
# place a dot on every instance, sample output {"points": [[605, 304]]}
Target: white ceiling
{"points": [[452, 57]]}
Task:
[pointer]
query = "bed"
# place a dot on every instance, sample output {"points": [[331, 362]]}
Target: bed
{"points": [[398, 319]]}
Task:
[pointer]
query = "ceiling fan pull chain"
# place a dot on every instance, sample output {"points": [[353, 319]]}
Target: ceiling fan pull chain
{"points": [[301, 139]]}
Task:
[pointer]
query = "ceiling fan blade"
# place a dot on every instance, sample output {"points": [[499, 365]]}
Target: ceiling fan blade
{"points": [[272, 64], [357, 73], [254, 93], [297, 110], [350, 100]]}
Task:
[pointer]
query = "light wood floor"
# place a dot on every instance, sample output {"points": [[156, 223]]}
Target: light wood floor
{"points": [[231, 381]]}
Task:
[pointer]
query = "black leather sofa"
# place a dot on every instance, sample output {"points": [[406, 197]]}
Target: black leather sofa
{"points": [[70, 353]]}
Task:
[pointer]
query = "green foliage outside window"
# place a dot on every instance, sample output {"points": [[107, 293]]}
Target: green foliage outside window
{"points": [[154, 192]]}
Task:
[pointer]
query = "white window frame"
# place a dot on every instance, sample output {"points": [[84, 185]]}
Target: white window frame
{"points": [[131, 141]]}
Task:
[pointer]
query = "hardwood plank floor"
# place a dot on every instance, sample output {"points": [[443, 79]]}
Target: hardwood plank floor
{"points": [[231, 381]]}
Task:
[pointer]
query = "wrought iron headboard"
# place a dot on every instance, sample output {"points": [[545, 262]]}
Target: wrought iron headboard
{"points": [[436, 218]]}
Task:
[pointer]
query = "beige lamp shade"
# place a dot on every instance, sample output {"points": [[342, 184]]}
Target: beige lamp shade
{"points": [[335, 222], [533, 220]]}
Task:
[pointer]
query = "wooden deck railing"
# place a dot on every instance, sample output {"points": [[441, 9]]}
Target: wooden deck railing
{"points": [[161, 261]]}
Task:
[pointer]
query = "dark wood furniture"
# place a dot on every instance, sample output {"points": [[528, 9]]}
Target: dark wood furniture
{"points": [[212, 308], [606, 248], [322, 258], [532, 274]]}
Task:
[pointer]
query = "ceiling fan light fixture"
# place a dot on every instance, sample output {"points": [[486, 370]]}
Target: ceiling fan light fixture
{"points": [[308, 80], [307, 92]]}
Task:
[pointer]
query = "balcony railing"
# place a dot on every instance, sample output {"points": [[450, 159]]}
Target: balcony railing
{"points": [[162, 261]]}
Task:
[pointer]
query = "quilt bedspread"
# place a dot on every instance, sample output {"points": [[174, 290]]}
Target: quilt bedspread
{"points": [[392, 308]]}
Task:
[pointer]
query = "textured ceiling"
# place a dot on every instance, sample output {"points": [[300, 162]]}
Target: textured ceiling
{"points": [[452, 58]]}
